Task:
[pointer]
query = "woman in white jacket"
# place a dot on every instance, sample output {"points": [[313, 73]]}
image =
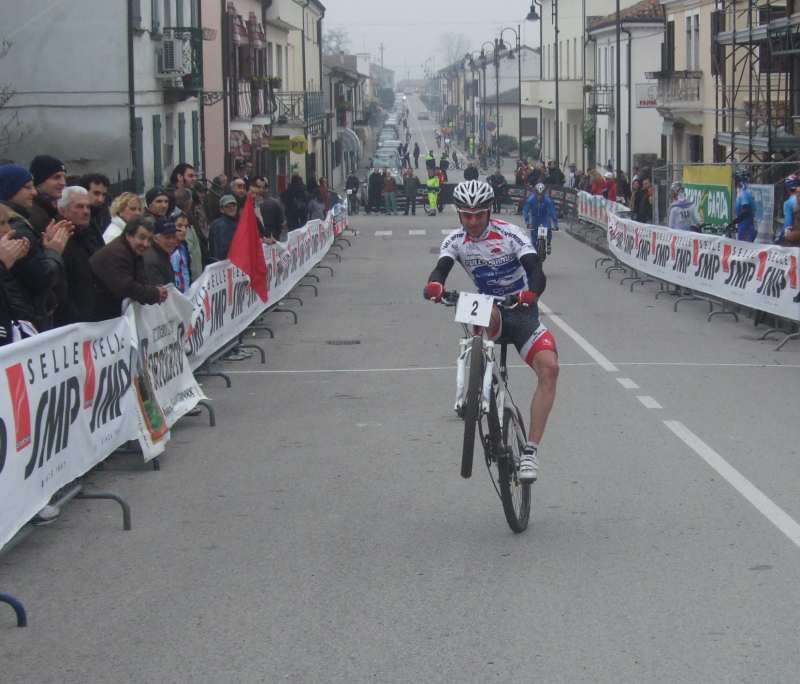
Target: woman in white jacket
{"points": [[124, 208]]}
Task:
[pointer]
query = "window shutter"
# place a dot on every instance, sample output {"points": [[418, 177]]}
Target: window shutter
{"points": [[138, 155], [179, 12], [181, 137], [158, 172], [195, 139]]}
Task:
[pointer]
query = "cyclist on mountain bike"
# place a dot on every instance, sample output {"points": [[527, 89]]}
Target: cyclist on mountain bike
{"points": [[540, 210], [500, 259]]}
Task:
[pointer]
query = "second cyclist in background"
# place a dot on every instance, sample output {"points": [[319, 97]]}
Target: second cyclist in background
{"points": [[540, 210]]}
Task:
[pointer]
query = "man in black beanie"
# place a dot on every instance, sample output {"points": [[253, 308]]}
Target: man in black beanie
{"points": [[50, 179]]}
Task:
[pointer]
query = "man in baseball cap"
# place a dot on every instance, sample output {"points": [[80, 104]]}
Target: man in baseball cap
{"points": [[221, 230], [157, 264], [50, 178]]}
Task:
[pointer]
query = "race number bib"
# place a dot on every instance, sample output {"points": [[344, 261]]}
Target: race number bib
{"points": [[474, 309]]}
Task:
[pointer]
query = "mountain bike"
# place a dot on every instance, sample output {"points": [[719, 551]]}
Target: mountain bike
{"points": [[484, 400], [539, 238]]}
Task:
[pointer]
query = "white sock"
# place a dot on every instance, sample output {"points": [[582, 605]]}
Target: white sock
{"points": [[533, 445]]}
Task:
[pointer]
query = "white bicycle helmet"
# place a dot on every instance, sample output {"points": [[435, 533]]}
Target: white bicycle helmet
{"points": [[473, 194], [539, 188]]}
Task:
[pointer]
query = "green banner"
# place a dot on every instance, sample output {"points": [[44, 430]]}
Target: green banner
{"points": [[709, 187]]}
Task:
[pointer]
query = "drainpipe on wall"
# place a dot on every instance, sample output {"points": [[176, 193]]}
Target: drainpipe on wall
{"points": [[225, 31], [305, 85], [630, 102], [326, 160], [132, 101], [200, 105]]}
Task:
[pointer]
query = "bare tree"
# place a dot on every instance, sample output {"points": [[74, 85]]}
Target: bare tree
{"points": [[12, 130], [335, 41], [454, 46]]}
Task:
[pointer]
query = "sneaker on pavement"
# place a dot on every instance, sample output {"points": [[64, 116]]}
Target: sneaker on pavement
{"points": [[549, 248], [528, 465]]}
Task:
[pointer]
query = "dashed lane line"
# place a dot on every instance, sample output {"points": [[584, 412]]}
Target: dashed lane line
{"points": [[648, 401], [420, 231], [383, 233], [627, 383]]}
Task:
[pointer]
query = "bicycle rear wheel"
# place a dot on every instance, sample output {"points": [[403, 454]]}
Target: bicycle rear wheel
{"points": [[472, 405], [515, 495]]}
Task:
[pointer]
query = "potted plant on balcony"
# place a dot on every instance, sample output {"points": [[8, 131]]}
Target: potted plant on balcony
{"points": [[275, 82]]}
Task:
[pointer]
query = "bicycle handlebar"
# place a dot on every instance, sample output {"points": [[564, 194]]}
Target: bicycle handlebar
{"points": [[450, 298]]}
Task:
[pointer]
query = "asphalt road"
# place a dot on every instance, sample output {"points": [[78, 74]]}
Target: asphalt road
{"points": [[321, 533]]}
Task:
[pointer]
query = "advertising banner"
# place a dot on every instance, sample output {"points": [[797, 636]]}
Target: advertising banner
{"points": [[763, 277], [223, 304], [165, 386], [67, 404], [75, 394], [709, 187]]}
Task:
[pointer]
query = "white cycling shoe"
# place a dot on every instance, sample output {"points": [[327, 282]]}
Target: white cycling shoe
{"points": [[528, 465]]}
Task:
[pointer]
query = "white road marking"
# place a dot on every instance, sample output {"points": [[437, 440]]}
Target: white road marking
{"points": [[420, 231], [447, 231], [378, 370], [627, 383], [648, 401], [581, 341], [382, 233], [763, 504]]}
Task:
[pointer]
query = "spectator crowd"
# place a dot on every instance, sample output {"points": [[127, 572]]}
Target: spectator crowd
{"points": [[70, 253]]}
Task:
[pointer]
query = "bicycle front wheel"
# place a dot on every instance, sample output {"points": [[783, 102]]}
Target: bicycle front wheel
{"points": [[472, 405], [541, 248], [515, 495]]}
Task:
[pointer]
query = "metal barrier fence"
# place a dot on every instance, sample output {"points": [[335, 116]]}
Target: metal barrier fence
{"points": [[295, 273], [725, 273]]}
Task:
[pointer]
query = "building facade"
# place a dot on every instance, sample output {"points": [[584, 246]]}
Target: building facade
{"points": [[641, 33], [687, 97], [125, 103]]}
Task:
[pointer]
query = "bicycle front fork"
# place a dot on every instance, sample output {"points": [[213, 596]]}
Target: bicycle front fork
{"points": [[462, 363]]}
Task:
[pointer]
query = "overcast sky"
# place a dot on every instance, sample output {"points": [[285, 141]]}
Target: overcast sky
{"points": [[411, 30]]}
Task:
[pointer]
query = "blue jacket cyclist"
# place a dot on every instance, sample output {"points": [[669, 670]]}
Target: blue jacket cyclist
{"points": [[540, 210]]}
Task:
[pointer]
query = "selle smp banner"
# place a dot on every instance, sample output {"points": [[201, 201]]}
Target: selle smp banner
{"points": [[758, 276], [69, 397], [66, 404]]}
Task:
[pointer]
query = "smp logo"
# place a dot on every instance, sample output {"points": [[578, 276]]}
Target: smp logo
{"points": [[496, 250]]}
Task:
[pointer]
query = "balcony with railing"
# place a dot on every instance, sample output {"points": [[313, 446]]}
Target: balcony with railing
{"points": [[249, 99], [601, 99], [679, 95], [179, 66], [298, 108]]}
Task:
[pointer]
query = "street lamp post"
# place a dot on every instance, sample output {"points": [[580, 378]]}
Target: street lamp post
{"points": [[484, 63], [517, 34], [618, 110]]}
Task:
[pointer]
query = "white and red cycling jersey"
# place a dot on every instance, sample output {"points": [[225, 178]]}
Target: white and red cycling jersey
{"points": [[492, 260]]}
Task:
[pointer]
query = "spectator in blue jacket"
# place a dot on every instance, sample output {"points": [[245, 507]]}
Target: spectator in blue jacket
{"points": [[745, 209], [539, 210]]}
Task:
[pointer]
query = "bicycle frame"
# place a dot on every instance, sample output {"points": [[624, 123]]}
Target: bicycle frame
{"points": [[495, 376]]}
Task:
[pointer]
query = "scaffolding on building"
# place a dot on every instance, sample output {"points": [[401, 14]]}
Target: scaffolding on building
{"points": [[756, 64]]}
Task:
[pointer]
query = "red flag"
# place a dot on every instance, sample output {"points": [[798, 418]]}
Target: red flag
{"points": [[246, 250]]}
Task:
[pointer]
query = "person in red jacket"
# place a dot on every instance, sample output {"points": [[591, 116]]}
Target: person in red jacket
{"points": [[598, 184], [610, 192]]}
